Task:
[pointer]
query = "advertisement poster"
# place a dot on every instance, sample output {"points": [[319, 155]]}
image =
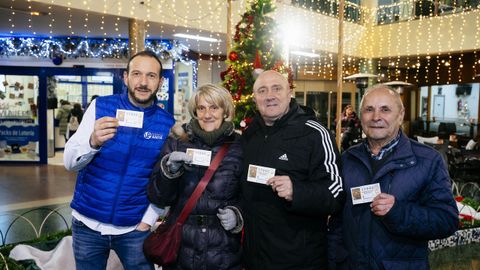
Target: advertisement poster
{"points": [[19, 129], [162, 94], [18, 140]]}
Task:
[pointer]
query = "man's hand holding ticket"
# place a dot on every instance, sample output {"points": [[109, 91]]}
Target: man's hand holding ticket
{"points": [[128, 118], [364, 194], [259, 174]]}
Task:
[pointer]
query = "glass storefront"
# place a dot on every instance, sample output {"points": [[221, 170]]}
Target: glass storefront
{"points": [[80, 89], [31, 96], [455, 104], [72, 89], [19, 128]]}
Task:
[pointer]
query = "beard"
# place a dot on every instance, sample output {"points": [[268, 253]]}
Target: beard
{"points": [[142, 101]]}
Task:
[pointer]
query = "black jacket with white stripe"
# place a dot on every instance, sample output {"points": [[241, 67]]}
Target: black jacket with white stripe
{"points": [[290, 235]]}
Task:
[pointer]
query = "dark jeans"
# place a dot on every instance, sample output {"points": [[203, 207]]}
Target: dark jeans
{"points": [[91, 249]]}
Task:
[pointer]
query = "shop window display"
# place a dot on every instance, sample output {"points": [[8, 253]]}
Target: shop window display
{"points": [[19, 130]]}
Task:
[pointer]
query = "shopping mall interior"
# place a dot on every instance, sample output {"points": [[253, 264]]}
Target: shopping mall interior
{"points": [[62, 50]]}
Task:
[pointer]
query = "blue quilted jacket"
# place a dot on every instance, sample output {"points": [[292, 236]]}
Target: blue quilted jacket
{"points": [[424, 208], [112, 187]]}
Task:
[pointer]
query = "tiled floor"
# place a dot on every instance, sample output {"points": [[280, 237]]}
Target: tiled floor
{"points": [[46, 188]]}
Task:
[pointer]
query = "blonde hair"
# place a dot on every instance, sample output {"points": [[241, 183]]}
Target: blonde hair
{"points": [[212, 94]]}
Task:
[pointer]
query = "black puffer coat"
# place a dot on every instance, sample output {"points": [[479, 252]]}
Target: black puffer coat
{"points": [[205, 243]]}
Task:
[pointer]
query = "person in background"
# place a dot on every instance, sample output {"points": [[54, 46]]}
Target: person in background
{"points": [[350, 127], [92, 99], [62, 116], [211, 234], [297, 184], [413, 201], [74, 119], [114, 161], [473, 144]]}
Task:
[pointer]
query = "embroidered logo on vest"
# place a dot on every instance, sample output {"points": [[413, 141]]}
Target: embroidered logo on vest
{"points": [[149, 135]]}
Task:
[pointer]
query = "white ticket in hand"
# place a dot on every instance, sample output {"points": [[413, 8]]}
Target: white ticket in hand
{"points": [[364, 194], [259, 174], [128, 118], [200, 157]]}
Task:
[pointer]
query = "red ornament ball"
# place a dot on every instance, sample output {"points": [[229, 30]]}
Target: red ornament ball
{"points": [[233, 56]]}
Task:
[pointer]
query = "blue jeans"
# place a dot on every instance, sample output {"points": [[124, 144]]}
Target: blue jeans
{"points": [[91, 249]]}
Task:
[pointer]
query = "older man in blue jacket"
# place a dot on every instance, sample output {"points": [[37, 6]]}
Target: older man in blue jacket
{"points": [[398, 192]]}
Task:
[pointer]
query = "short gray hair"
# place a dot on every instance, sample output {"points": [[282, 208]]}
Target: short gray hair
{"points": [[382, 86], [212, 94]]}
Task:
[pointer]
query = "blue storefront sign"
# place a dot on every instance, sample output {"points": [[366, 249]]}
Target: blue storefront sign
{"points": [[18, 136], [21, 135]]}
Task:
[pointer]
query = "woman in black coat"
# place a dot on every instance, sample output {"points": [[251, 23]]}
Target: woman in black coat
{"points": [[211, 234]]}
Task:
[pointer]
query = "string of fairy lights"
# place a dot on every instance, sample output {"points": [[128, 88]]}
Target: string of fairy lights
{"points": [[52, 20], [11, 18], [86, 48], [391, 39], [476, 47]]}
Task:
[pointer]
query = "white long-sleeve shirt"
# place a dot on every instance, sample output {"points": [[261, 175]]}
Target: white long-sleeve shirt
{"points": [[78, 153]]}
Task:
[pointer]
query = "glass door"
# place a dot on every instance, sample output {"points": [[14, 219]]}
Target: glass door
{"points": [[63, 92], [326, 109]]}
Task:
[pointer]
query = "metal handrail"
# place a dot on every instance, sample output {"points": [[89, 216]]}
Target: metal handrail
{"points": [[23, 216]]}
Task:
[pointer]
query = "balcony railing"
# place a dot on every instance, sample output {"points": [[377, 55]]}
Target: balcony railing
{"points": [[415, 9], [396, 11], [330, 8]]}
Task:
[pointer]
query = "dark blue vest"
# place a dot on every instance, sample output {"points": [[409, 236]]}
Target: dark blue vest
{"points": [[112, 187]]}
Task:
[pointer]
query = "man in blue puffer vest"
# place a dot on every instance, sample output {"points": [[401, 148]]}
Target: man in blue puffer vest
{"points": [[398, 194], [114, 151]]}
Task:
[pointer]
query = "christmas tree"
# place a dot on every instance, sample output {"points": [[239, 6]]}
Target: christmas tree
{"points": [[254, 49]]}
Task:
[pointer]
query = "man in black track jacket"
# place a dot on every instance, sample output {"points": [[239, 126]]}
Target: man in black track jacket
{"points": [[286, 215]]}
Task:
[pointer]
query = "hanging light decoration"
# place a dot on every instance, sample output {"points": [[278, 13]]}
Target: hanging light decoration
{"points": [[83, 48]]}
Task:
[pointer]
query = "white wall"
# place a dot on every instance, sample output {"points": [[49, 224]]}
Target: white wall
{"points": [[452, 112]]}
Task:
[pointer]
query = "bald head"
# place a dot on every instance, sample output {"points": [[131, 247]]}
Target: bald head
{"points": [[272, 94], [381, 114], [384, 88], [270, 74]]}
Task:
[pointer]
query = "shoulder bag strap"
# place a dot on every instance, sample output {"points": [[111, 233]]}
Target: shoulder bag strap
{"points": [[192, 201]]}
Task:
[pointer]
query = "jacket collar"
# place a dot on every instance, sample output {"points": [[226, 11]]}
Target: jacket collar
{"points": [[401, 157], [184, 132], [390, 147]]}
